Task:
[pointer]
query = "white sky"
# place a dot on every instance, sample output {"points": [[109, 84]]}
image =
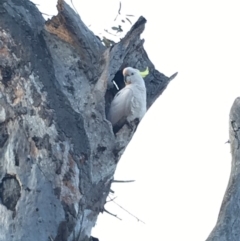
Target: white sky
{"points": [[178, 156]]}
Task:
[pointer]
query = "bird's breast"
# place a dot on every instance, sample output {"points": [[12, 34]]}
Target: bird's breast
{"points": [[138, 103]]}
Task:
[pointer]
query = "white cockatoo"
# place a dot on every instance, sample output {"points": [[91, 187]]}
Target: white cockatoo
{"points": [[129, 103]]}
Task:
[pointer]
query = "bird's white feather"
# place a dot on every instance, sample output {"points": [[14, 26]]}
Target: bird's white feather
{"points": [[121, 105]]}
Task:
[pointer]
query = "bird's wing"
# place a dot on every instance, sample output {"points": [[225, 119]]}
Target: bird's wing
{"points": [[120, 107]]}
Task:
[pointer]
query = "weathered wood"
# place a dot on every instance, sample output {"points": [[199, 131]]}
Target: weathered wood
{"points": [[58, 153], [228, 223]]}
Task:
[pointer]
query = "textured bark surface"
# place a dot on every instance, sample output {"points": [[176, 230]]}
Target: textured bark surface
{"points": [[58, 153], [228, 223]]}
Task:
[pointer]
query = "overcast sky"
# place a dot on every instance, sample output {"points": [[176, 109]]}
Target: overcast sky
{"points": [[177, 156]]}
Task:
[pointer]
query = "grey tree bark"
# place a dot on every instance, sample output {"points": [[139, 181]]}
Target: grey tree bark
{"points": [[228, 224], [58, 153]]}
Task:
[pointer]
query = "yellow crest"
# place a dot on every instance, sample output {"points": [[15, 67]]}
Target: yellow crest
{"points": [[144, 73]]}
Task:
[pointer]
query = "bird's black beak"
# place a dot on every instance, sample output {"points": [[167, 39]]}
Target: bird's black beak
{"points": [[127, 82]]}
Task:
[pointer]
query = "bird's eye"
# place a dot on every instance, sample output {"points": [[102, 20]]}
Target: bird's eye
{"points": [[132, 74]]}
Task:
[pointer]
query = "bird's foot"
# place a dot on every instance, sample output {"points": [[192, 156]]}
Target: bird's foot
{"points": [[132, 125]]}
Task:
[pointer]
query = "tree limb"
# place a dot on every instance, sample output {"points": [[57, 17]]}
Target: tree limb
{"points": [[114, 215], [227, 227], [119, 181], [59, 151]]}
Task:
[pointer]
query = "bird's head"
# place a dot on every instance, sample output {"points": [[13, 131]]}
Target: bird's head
{"points": [[134, 76]]}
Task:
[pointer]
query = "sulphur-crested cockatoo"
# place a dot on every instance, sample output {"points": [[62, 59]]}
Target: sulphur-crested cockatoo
{"points": [[129, 103]]}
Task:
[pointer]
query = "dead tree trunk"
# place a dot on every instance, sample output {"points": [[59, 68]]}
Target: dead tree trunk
{"points": [[58, 153], [228, 224]]}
